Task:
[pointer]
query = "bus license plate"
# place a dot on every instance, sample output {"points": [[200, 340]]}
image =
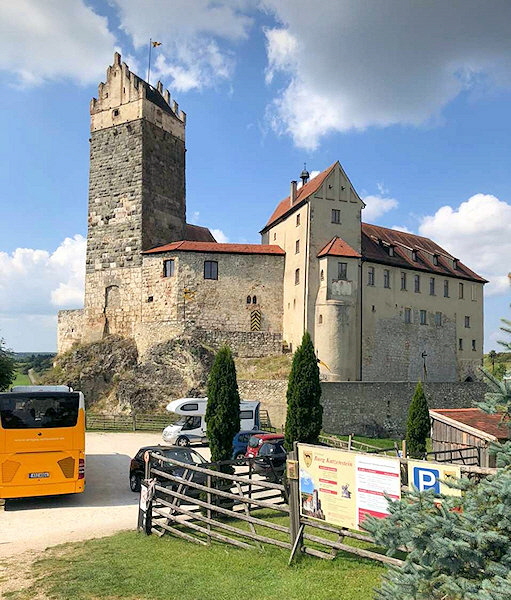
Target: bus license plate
{"points": [[38, 475]]}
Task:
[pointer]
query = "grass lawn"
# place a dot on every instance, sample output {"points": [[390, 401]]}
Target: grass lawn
{"points": [[133, 566], [21, 379]]}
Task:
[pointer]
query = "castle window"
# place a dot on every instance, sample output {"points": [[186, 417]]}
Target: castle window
{"points": [[403, 280], [168, 268], [446, 288], [342, 270], [460, 344], [408, 315], [320, 319], [435, 259], [473, 292], [115, 112], [297, 276], [386, 278], [274, 236], [254, 299], [370, 276], [336, 215], [431, 286], [391, 251], [297, 246], [423, 317], [460, 291], [438, 319], [417, 283], [150, 299], [467, 321], [297, 220], [474, 345], [249, 299], [322, 275], [414, 255], [210, 269]]}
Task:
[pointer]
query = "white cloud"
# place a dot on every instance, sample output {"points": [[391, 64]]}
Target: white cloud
{"points": [[479, 233], [41, 41], [376, 206], [220, 236], [402, 228], [312, 174], [352, 64], [190, 32], [37, 282]]}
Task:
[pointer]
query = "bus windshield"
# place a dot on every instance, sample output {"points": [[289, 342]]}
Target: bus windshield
{"points": [[39, 410]]}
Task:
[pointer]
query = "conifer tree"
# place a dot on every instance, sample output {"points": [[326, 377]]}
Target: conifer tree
{"points": [[304, 412], [223, 408], [7, 367], [418, 425]]}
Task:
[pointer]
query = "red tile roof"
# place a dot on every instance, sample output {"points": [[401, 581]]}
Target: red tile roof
{"points": [[284, 207], [374, 251], [188, 246], [477, 419], [338, 247], [196, 233]]}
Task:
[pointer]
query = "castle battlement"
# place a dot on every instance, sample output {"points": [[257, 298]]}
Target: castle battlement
{"points": [[125, 97]]}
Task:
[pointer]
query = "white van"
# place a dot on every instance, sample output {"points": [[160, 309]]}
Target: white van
{"points": [[191, 427]]}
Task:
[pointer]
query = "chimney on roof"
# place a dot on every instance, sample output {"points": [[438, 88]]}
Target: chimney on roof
{"points": [[292, 194], [305, 174]]}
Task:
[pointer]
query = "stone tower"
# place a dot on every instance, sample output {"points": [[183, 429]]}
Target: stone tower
{"points": [[136, 193]]}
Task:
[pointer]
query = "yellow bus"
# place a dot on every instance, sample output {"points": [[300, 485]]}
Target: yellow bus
{"points": [[42, 441]]}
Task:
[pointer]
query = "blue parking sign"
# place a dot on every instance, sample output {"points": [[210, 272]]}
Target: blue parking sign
{"points": [[426, 479]]}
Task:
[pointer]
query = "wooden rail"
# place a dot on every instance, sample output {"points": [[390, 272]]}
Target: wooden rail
{"points": [[140, 422]]}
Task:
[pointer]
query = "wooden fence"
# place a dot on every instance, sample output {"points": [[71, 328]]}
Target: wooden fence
{"points": [[127, 422]]}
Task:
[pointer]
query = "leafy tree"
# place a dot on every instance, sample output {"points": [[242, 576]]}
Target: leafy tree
{"points": [[223, 408], [7, 367], [418, 425], [458, 548], [304, 412]]}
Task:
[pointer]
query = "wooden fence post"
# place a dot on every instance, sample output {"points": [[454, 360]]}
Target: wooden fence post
{"points": [[295, 527]]}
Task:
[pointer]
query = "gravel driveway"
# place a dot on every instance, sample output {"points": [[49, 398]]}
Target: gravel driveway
{"points": [[107, 505]]}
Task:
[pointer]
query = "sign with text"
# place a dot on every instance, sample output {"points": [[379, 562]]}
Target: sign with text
{"points": [[425, 476], [343, 488]]}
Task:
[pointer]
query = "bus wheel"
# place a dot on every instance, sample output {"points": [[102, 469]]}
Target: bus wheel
{"points": [[182, 441], [135, 482]]}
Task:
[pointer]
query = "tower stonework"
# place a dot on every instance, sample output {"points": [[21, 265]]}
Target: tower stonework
{"points": [[136, 193]]}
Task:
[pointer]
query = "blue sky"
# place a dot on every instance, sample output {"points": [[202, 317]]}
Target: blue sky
{"points": [[412, 98]]}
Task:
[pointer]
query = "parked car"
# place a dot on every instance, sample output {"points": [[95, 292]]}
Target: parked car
{"points": [[240, 442], [271, 460], [186, 455], [257, 440]]}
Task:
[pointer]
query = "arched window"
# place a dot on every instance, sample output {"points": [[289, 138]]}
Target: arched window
{"points": [[249, 299], [254, 299], [322, 276], [320, 320]]}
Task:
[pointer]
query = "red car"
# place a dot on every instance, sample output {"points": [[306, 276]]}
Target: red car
{"points": [[257, 440]]}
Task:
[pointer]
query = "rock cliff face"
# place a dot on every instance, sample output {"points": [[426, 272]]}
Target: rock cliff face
{"points": [[114, 381]]}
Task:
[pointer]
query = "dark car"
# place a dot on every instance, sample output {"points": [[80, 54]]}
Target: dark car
{"points": [[240, 442], [271, 460], [181, 454]]}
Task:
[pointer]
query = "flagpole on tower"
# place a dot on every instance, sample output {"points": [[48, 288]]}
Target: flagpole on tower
{"points": [[151, 46]]}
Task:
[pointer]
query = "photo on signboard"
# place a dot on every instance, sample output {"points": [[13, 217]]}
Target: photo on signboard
{"points": [[309, 496]]}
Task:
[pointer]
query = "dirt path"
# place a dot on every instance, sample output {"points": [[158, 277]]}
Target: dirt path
{"points": [[107, 505]]}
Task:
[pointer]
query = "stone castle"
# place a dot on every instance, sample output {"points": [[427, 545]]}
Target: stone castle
{"points": [[380, 305]]}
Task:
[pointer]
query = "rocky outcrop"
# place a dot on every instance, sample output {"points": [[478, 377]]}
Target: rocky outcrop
{"points": [[113, 380]]}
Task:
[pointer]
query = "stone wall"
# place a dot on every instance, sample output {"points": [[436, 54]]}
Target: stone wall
{"points": [[365, 408], [246, 344], [69, 329]]}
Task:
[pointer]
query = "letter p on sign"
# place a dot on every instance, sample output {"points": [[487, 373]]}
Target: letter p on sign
{"points": [[426, 479]]}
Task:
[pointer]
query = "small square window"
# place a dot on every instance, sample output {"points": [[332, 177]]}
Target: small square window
{"points": [[150, 298], [403, 280], [297, 246], [297, 220], [408, 315], [115, 112], [210, 269], [297, 276], [446, 288], [423, 317], [336, 215], [168, 268], [460, 291], [370, 276], [386, 278], [342, 270], [467, 321], [474, 345], [417, 283]]}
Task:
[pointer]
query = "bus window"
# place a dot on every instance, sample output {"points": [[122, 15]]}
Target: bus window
{"points": [[18, 411]]}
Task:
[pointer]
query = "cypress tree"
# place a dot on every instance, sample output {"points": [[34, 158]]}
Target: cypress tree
{"points": [[304, 412], [418, 425], [223, 408]]}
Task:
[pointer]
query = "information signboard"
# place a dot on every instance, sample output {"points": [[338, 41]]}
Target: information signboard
{"points": [[343, 488], [425, 476]]}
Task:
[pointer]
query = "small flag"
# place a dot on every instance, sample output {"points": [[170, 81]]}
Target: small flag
{"points": [[156, 44]]}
